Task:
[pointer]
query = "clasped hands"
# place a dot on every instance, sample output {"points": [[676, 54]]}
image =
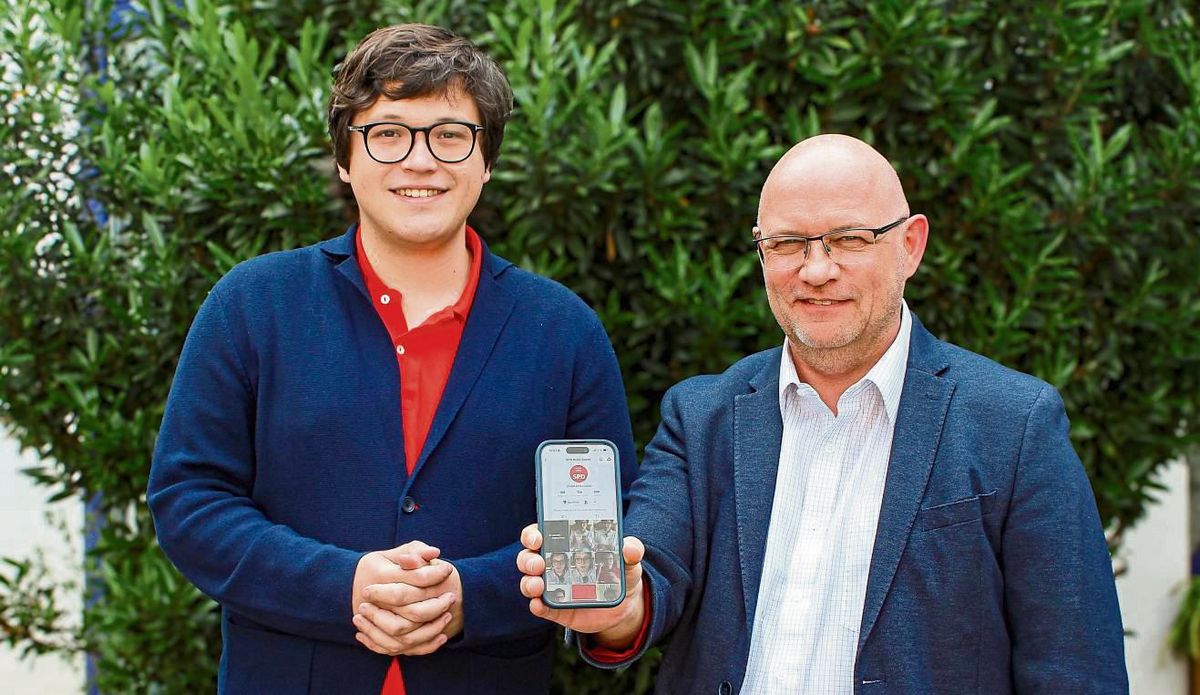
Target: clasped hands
{"points": [[406, 600]]}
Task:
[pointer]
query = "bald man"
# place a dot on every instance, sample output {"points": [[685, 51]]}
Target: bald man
{"points": [[865, 509]]}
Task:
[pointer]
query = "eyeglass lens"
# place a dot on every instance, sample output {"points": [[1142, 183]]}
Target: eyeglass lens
{"points": [[791, 252], [449, 142]]}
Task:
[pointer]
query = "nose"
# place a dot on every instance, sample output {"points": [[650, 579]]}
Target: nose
{"points": [[420, 158]]}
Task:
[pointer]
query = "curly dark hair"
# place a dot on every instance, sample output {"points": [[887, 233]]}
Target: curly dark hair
{"points": [[417, 60]]}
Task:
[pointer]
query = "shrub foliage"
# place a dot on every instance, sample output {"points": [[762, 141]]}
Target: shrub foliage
{"points": [[1055, 148]]}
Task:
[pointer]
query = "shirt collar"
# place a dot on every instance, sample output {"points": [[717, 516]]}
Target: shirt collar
{"points": [[887, 374], [460, 308]]}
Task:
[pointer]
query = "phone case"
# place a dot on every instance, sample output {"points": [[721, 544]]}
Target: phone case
{"points": [[595, 567]]}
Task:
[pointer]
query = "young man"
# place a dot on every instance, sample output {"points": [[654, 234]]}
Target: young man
{"points": [[347, 450], [581, 571], [557, 575], [866, 508]]}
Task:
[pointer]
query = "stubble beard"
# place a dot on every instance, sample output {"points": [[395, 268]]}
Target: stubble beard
{"points": [[852, 348]]}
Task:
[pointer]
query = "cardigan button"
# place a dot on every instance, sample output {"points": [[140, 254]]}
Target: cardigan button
{"points": [[725, 688], [409, 505]]}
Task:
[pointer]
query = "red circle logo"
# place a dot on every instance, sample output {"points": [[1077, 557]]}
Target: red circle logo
{"points": [[578, 473]]}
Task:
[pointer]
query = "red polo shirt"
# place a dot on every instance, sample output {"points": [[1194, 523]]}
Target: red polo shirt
{"points": [[425, 355]]}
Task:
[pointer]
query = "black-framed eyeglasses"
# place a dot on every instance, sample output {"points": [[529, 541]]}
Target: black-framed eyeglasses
{"points": [[389, 142], [789, 251]]}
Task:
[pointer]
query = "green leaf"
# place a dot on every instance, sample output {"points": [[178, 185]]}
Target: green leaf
{"points": [[154, 232]]}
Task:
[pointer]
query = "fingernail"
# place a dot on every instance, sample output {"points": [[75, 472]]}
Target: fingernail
{"points": [[368, 593]]}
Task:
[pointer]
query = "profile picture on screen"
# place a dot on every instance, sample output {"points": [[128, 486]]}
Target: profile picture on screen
{"points": [[606, 568], [583, 569], [604, 535], [608, 592], [581, 535], [557, 570]]}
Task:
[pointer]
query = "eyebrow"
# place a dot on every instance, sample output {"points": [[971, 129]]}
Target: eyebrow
{"points": [[844, 227]]}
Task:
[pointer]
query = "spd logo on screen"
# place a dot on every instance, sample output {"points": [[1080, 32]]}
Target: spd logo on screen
{"points": [[578, 473]]}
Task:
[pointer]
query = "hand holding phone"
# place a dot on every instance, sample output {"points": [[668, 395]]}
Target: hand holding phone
{"points": [[615, 627], [579, 516]]}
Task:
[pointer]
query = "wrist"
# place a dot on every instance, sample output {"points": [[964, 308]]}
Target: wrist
{"points": [[623, 634], [358, 583]]}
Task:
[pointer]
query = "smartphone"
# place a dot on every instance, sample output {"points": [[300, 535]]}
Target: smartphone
{"points": [[579, 514]]}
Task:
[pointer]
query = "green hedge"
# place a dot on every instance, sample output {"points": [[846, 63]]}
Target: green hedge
{"points": [[1055, 148]]}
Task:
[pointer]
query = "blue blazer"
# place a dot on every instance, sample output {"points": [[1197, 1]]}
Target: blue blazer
{"points": [[990, 572], [280, 462]]}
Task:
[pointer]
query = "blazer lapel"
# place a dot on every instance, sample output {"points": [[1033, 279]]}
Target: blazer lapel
{"points": [[757, 437], [489, 312], [919, 424]]}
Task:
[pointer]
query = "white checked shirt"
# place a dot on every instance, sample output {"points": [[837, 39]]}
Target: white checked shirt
{"points": [[827, 496]]}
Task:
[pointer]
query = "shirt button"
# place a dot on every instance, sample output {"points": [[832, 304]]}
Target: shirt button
{"points": [[408, 505], [385, 299], [399, 349]]}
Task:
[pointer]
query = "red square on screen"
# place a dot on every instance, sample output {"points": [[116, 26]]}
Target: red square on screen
{"points": [[583, 592]]}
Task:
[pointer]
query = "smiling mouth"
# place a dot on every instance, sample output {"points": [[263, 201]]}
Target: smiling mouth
{"points": [[821, 302], [417, 192]]}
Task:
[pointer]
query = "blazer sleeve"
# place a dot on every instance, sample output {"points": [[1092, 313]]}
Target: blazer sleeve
{"points": [[1060, 595], [662, 518], [494, 608], [201, 480]]}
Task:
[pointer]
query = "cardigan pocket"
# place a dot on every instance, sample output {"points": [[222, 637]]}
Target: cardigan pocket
{"points": [[957, 512]]}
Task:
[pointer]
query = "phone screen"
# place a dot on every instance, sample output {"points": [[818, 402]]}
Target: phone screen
{"points": [[579, 512]]}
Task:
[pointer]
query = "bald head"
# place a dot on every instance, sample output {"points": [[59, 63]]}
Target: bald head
{"points": [[840, 302], [833, 174]]}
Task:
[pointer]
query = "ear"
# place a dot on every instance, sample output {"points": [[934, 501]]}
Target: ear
{"points": [[343, 174], [916, 234], [487, 174]]}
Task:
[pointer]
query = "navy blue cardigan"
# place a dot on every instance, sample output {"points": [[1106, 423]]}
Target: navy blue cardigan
{"points": [[280, 462]]}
